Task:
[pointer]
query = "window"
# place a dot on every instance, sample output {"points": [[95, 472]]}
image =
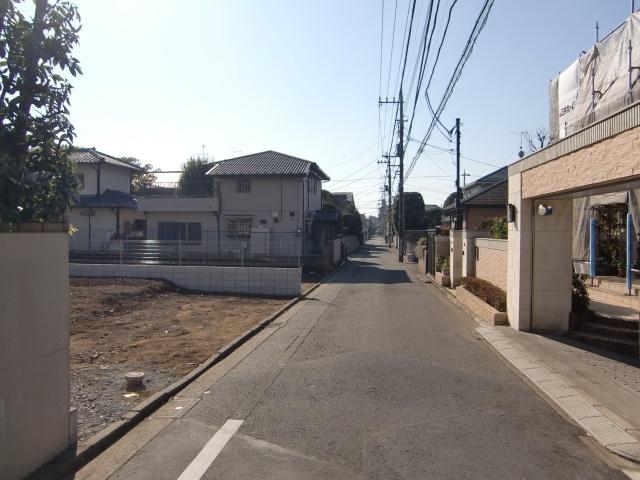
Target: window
{"points": [[238, 226], [243, 186], [80, 180], [187, 231]]}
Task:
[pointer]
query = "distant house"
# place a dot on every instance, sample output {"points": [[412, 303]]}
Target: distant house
{"points": [[263, 193], [485, 198], [343, 201], [105, 208]]}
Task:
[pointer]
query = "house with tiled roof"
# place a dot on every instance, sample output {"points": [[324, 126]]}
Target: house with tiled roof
{"points": [[268, 193], [105, 207], [485, 198]]}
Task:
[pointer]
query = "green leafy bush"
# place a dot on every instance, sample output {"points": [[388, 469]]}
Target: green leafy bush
{"points": [[580, 300], [487, 292], [497, 226]]}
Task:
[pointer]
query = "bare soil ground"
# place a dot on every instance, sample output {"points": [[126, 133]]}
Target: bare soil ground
{"points": [[123, 325]]}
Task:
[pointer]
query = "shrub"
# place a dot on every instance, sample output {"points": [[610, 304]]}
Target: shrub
{"points": [[422, 242], [442, 264], [487, 292], [580, 300], [497, 226]]}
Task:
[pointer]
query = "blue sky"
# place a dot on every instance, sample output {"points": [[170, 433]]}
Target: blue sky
{"points": [[163, 78]]}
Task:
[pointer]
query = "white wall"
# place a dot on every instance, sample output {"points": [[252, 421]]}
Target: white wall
{"points": [[90, 178], [114, 178], [103, 222], [251, 280], [279, 194], [111, 178], [34, 351]]}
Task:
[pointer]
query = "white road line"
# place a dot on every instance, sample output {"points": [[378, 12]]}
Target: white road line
{"points": [[210, 451]]}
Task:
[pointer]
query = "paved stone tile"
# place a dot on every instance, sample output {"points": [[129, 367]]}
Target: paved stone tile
{"points": [[538, 374], [577, 408], [605, 431]]}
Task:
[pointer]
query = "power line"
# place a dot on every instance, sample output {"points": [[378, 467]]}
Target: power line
{"points": [[468, 49]]}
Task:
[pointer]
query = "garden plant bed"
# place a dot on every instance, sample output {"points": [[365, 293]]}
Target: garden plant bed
{"points": [[481, 296], [123, 325]]}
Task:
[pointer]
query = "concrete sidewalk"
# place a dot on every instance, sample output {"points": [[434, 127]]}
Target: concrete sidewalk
{"points": [[608, 381]]}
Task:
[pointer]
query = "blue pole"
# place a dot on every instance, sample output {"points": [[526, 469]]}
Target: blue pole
{"points": [[629, 252], [593, 247]]}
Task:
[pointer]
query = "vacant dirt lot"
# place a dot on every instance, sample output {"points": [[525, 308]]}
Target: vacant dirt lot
{"points": [[123, 325]]}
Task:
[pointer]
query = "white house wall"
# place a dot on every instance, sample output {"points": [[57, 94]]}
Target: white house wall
{"points": [[90, 178], [281, 195], [114, 178]]}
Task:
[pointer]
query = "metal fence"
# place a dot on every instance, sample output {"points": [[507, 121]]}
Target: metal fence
{"points": [[200, 248]]}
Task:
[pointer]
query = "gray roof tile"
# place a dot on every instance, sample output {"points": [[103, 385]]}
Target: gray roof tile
{"points": [[266, 163], [92, 156]]}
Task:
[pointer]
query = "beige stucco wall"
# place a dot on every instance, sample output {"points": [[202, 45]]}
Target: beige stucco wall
{"points": [[34, 351], [491, 261], [468, 250], [519, 248], [616, 158]]}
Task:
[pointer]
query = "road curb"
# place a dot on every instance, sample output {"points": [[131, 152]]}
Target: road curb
{"points": [[98, 443], [563, 397]]}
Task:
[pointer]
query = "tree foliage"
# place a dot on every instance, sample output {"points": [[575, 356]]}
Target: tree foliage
{"points": [[497, 226], [193, 179], [414, 214], [37, 180], [143, 180], [433, 217]]}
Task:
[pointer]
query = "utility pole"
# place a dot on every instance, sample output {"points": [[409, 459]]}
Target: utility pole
{"points": [[388, 190], [458, 221], [464, 177], [400, 155], [401, 183]]}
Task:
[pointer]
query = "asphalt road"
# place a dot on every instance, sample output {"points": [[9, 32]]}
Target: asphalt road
{"points": [[375, 376]]}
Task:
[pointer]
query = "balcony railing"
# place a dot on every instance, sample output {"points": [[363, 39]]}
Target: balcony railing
{"points": [[172, 189]]}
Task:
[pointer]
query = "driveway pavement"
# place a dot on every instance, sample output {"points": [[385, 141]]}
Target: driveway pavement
{"points": [[374, 376]]}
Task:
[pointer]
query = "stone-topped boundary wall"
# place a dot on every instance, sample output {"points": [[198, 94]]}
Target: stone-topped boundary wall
{"points": [[249, 280], [491, 261]]}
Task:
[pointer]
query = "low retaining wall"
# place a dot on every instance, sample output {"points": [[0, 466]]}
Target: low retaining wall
{"points": [[251, 280], [491, 261], [482, 309]]}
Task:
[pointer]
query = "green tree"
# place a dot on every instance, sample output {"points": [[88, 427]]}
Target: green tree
{"points": [[414, 215], [37, 179], [193, 179], [433, 217], [143, 180]]}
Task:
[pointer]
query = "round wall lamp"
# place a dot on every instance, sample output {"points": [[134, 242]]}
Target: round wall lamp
{"points": [[545, 209]]}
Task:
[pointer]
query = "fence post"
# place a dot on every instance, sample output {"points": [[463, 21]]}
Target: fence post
{"points": [[179, 251], [121, 249]]}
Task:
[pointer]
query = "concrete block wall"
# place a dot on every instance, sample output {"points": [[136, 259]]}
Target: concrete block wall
{"points": [[248, 280], [491, 261], [519, 253], [468, 250], [552, 266], [455, 257], [34, 351]]}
